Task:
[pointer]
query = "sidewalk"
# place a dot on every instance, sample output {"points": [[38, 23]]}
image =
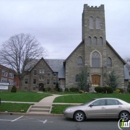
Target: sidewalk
{"points": [[48, 100]]}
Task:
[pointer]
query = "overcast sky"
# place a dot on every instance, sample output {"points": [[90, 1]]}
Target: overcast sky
{"points": [[56, 24]]}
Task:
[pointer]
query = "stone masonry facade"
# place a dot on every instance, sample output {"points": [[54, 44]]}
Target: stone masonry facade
{"points": [[94, 52]]}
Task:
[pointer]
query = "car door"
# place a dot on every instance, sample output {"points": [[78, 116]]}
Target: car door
{"points": [[96, 109], [113, 107]]}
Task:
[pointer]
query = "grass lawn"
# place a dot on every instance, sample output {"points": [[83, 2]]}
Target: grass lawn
{"points": [[82, 98], [58, 109], [22, 96], [13, 107]]}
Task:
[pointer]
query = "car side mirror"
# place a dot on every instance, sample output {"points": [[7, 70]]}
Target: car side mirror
{"points": [[91, 105]]}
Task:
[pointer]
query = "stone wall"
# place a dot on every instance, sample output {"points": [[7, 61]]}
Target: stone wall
{"points": [[41, 78], [72, 68]]}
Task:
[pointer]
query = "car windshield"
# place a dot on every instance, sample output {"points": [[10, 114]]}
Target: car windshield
{"points": [[88, 102]]}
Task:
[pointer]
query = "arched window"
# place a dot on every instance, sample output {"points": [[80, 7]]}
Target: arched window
{"points": [[95, 59], [95, 41], [101, 41], [98, 23], [91, 23], [77, 78], [89, 40], [80, 61], [109, 62]]}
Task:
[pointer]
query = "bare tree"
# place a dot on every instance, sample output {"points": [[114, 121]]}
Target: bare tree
{"points": [[19, 51]]}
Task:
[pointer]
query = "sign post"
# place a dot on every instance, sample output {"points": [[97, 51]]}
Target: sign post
{"points": [[4, 86]]}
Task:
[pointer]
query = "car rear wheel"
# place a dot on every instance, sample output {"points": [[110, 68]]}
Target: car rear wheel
{"points": [[79, 116], [124, 115]]}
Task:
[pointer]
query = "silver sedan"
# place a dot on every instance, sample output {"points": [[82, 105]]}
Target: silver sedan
{"points": [[99, 108]]}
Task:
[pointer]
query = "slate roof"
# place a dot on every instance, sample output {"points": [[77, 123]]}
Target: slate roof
{"points": [[31, 64], [57, 65]]}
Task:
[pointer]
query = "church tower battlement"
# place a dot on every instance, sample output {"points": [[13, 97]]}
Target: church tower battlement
{"points": [[93, 32], [86, 7]]}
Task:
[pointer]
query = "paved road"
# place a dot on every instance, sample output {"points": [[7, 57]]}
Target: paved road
{"points": [[20, 122]]}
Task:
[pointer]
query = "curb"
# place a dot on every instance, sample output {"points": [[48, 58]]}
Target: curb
{"points": [[30, 114]]}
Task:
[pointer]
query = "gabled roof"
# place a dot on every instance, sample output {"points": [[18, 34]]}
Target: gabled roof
{"points": [[38, 63], [116, 53], [82, 42], [57, 66], [6, 68], [106, 43]]}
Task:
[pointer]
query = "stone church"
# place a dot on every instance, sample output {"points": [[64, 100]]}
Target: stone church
{"points": [[94, 52]]}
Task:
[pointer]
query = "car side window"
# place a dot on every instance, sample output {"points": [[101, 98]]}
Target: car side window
{"points": [[99, 103], [113, 102]]}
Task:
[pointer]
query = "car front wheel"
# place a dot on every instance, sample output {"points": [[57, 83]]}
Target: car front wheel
{"points": [[124, 115], [79, 116]]}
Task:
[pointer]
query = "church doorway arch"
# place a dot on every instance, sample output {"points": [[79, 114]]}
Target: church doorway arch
{"points": [[41, 87]]}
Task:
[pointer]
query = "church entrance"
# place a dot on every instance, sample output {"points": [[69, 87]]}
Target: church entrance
{"points": [[96, 80], [41, 87]]}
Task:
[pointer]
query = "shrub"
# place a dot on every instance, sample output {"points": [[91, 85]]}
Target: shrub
{"points": [[109, 89], [128, 88], [48, 89], [74, 89], [66, 90], [14, 89], [104, 89], [99, 89], [119, 90], [81, 91], [57, 88]]}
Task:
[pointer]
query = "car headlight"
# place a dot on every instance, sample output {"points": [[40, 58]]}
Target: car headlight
{"points": [[69, 110]]}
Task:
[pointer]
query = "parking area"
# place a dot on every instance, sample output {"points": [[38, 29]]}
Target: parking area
{"points": [[31, 122]]}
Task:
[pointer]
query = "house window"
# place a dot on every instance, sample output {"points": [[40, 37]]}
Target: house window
{"points": [[4, 73], [48, 81], [48, 73], [4, 80], [41, 78], [11, 75], [26, 81], [89, 40], [109, 62], [55, 74], [54, 81], [41, 71], [98, 23], [101, 41], [91, 23], [95, 59], [77, 78], [11, 82], [80, 61], [34, 81], [95, 41], [35, 72]]}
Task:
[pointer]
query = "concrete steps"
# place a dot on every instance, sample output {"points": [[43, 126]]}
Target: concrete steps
{"points": [[40, 109]]}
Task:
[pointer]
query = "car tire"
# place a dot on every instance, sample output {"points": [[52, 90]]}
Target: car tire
{"points": [[124, 115], [79, 116]]}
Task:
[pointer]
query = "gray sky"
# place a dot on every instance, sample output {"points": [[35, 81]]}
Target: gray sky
{"points": [[56, 24]]}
